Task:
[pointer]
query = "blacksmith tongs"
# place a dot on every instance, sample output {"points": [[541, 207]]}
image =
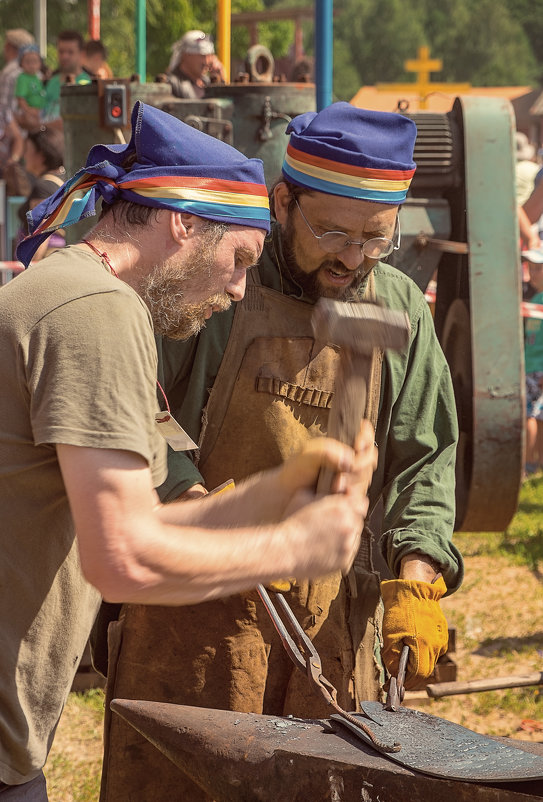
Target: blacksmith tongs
{"points": [[303, 654], [396, 690]]}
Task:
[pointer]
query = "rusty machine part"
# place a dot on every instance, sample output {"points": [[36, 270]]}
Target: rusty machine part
{"points": [[260, 64], [245, 756], [459, 222]]}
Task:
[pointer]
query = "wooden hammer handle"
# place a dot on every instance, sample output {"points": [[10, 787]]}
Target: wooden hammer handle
{"points": [[348, 405]]}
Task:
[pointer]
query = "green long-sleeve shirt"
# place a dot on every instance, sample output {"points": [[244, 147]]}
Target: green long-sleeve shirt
{"points": [[416, 431]]}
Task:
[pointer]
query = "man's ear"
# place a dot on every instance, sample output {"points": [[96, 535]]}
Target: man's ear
{"points": [[181, 225], [281, 200]]}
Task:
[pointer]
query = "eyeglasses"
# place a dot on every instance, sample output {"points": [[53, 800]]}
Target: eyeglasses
{"points": [[337, 241]]}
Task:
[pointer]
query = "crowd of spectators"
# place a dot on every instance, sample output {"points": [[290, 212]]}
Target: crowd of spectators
{"points": [[30, 94]]}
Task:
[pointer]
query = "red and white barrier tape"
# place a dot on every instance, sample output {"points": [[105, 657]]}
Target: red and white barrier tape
{"points": [[532, 310], [11, 267]]}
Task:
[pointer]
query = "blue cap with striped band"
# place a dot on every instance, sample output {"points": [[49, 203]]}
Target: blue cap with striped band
{"points": [[357, 153], [168, 165]]}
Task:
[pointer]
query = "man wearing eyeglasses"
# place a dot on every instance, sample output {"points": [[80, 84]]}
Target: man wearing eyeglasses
{"points": [[264, 386]]}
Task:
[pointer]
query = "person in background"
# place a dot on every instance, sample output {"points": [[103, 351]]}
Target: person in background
{"points": [[14, 40], [70, 70], [254, 385], [44, 160], [11, 153], [83, 434], [193, 65], [533, 361], [526, 169], [11, 136], [95, 60], [29, 88]]}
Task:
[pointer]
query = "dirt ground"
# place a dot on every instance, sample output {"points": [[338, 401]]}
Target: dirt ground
{"points": [[498, 617]]}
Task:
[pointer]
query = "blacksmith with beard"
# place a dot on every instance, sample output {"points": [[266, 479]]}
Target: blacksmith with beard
{"points": [[264, 386], [80, 434]]}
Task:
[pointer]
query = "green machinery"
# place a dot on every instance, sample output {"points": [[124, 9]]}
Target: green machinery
{"points": [[460, 220], [459, 224]]}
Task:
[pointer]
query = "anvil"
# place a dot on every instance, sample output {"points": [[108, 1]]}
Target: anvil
{"points": [[251, 757]]}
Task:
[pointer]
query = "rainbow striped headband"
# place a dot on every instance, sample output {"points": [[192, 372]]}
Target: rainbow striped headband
{"points": [[236, 202], [339, 178]]}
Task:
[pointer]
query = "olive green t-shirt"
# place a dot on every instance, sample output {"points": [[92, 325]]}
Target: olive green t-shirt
{"points": [[77, 366]]}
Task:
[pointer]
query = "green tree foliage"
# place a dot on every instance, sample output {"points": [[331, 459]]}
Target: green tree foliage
{"points": [[480, 41], [529, 14], [375, 37], [486, 42]]}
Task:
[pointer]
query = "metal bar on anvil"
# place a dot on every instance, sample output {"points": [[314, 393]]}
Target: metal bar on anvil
{"points": [[237, 757]]}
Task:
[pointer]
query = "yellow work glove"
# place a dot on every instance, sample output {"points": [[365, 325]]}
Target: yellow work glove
{"points": [[413, 617], [282, 585]]}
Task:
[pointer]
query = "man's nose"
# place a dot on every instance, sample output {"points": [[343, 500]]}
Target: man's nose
{"points": [[236, 286], [351, 256]]}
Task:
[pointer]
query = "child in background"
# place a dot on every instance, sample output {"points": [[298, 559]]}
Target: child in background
{"points": [[533, 357], [29, 89]]}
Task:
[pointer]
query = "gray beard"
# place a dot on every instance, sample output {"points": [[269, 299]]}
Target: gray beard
{"points": [[164, 290]]}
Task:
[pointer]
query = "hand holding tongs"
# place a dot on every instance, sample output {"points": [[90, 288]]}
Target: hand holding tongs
{"points": [[303, 654]]}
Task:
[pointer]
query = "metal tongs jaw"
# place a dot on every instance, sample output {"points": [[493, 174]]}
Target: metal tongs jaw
{"points": [[396, 690], [303, 654], [299, 647]]}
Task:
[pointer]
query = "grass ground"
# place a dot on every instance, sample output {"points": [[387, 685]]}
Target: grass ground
{"points": [[498, 616], [75, 761]]}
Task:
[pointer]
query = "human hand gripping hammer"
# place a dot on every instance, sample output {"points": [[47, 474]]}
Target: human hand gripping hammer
{"points": [[357, 329]]}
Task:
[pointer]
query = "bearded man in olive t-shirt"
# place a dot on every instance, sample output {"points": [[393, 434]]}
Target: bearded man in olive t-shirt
{"points": [[80, 445]]}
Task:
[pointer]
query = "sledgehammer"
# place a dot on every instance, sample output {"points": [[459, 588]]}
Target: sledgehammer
{"points": [[357, 329]]}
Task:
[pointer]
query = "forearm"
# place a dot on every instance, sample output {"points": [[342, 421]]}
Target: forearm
{"points": [[245, 506], [134, 549], [529, 237], [185, 565], [417, 566], [417, 452], [533, 207], [149, 562]]}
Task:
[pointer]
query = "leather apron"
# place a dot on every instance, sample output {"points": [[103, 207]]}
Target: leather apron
{"points": [[272, 392]]}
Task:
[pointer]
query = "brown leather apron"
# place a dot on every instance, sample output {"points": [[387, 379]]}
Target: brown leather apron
{"points": [[272, 392]]}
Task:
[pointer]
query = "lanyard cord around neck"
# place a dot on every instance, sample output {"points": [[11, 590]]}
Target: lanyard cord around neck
{"points": [[103, 256]]}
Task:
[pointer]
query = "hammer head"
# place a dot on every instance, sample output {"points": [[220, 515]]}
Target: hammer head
{"points": [[360, 327]]}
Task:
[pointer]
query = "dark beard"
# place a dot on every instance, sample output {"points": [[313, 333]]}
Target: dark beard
{"points": [[310, 282]]}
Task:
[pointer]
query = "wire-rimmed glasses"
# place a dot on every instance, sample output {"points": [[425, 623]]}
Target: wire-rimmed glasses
{"points": [[337, 241]]}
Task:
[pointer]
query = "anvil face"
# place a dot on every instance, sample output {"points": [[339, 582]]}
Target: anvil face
{"points": [[245, 756]]}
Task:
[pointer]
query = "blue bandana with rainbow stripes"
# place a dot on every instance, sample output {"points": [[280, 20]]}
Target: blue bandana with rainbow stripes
{"points": [[357, 153], [173, 166]]}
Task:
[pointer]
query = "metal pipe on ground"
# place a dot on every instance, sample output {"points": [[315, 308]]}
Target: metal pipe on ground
{"points": [[440, 689]]}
